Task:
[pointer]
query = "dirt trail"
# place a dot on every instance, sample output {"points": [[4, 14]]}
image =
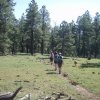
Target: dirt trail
{"points": [[80, 89], [86, 92]]}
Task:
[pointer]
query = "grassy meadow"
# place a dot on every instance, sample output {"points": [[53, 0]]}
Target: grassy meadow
{"points": [[38, 77]]}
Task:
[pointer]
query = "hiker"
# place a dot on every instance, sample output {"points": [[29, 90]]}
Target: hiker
{"points": [[60, 62], [55, 60], [51, 57]]}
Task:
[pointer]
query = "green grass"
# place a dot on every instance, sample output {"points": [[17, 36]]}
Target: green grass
{"points": [[87, 76], [38, 77]]}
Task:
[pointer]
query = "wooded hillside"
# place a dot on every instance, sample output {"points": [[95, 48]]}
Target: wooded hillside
{"points": [[33, 33]]}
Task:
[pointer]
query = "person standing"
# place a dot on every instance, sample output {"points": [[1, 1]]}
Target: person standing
{"points": [[60, 62], [55, 60], [51, 57]]}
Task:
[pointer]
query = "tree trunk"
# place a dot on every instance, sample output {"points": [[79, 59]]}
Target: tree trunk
{"points": [[27, 48], [13, 49], [31, 42], [83, 47], [63, 41], [22, 46], [78, 49], [42, 47], [96, 50], [63, 47]]}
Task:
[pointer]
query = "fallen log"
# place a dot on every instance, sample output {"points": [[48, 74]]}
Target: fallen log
{"points": [[10, 96]]}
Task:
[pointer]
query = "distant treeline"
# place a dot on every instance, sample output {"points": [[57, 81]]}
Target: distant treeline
{"points": [[33, 33]]}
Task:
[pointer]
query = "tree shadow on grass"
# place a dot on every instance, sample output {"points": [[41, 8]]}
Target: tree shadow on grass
{"points": [[50, 71], [43, 58], [66, 58], [90, 65], [23, 54]]}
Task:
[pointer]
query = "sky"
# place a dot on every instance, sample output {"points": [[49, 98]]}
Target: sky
{"points": [[60, 10]]}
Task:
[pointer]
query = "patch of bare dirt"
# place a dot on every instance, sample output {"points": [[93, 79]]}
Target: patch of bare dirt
{"points": [[86, 92], [80, 89]]}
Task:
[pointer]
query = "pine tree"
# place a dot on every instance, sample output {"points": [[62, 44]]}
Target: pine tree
{"points": [[45, 25], [6, 13], [32, 22]]}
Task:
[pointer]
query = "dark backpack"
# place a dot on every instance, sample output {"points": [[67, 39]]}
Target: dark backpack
{"points": [[60, 60]]}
